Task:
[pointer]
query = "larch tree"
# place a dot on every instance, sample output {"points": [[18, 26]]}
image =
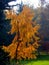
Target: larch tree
{"points": [[25, 42]]}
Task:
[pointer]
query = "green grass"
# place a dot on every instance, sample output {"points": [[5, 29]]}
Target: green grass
{"points": [[35, 63], [42, 60], [38, 63]]}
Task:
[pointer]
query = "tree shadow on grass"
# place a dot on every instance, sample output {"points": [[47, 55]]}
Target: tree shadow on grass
{"points": [[43, 57]]}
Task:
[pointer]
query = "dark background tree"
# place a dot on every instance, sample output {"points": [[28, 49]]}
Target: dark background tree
{"points": [[44, 31], [5, 26], [44, 22], [5, 38], [4, 58]]}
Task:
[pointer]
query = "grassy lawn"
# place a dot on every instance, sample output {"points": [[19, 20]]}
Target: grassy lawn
{"points": [[38, 63], [42, 60]]}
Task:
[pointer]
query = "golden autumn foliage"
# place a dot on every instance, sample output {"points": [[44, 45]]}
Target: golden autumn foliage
{"points": [[25, 42]]}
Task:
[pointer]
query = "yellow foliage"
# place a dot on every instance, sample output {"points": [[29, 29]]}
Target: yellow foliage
{"points": [[22, 25], [11, 49]]}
